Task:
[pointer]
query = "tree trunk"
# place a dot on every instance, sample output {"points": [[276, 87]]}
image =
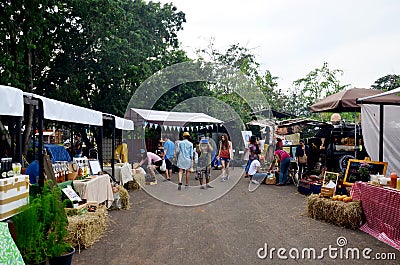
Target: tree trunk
{"points": [[29, 121]]}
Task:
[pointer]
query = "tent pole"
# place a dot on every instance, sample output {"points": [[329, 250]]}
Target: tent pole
{"points": [[355, 134], [113, 147], [381, 117], [40, 146]]}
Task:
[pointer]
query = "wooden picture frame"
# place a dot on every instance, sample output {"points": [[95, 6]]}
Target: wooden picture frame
{"points": [[330, 176], [352, 174], [329, 191], [95, 167]]}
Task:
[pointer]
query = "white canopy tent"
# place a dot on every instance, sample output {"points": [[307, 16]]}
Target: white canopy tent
{"points": [[60, 111], [380, 125], [179, 118], [123, 124], [12, 101]]}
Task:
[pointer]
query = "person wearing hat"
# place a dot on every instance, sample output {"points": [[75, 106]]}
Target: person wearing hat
{"points": [[153, 161], [185, 156], [204, 150]]}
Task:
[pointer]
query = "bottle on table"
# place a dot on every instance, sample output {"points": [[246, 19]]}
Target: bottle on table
{"points": [[393, 179]]}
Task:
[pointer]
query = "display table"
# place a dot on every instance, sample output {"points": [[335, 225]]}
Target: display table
{"points": [[97, 189], [381, 209], [122, 172]]}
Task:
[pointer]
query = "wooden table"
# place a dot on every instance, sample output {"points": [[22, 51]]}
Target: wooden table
{"points": [[97, 189]]}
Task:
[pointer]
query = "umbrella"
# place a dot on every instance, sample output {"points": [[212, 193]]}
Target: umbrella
{"points": [[343, 101]]}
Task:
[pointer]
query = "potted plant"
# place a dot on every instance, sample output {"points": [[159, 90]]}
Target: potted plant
{"points": [[41, 228]]}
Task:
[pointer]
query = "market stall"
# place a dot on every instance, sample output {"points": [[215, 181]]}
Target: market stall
{"points": [[380, 123], [166, 119], [14, 187]]}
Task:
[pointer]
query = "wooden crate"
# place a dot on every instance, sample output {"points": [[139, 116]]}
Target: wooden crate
{"points": [[327, 192], [14, 194]]}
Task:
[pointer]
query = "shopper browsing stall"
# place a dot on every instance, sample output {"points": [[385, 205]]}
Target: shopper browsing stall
{"points": [[284, 161], [301, 157], [153, 161], [121, 152], [78, 146]]}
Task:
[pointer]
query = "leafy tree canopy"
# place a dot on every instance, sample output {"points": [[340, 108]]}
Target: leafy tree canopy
{"points": [[387, 82]]}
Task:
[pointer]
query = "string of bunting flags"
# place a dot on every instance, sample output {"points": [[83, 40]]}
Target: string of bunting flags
{"points": [[178, 128]]}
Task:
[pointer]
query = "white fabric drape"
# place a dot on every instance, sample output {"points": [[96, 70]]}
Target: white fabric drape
{"points": [[11, 101], [391, 136]]}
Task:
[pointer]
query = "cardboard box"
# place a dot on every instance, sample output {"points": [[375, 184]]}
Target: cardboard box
{"points": [[14, 194]]}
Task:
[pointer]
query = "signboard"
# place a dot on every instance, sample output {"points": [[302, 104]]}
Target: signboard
{"points": [[352, 173], [71, 194]]}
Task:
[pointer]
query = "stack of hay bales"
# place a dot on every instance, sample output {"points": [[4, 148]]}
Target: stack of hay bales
{"points": [[84, 230], [343, 214]]}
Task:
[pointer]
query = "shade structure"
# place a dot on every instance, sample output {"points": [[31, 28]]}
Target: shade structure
{"points": [[385, 98], [60, 111], [124, 124], [173, 118], [343, 101], [12, 101], [381, 123]]}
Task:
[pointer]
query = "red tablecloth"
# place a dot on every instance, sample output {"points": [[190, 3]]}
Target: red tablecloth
{"points": [[381, 207]]}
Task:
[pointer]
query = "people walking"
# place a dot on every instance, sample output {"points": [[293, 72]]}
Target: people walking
{"points": [[204, 150], [185, 157], [224, 155], [169, 151]]}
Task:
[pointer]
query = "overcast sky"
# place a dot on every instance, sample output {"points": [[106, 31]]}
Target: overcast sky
{"points": [[290, 38]]}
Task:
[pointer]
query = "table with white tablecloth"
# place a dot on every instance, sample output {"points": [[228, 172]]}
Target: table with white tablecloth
{"points": [[122, 172], [96, 189]]}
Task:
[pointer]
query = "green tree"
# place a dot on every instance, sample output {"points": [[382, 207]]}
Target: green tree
{"points": [[386, 83], [231, 90], [91, 53], [315, 86], [28, 30]]}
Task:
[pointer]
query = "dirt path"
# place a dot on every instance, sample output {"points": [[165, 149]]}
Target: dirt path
{"points": [[228, 230]]}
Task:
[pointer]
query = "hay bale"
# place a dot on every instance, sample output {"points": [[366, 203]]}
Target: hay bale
{"points": [[124, 197], [84, 230], [347, 215], [137, 183]]}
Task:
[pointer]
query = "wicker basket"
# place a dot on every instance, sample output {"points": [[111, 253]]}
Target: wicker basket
{"points": [[270, 181]]}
